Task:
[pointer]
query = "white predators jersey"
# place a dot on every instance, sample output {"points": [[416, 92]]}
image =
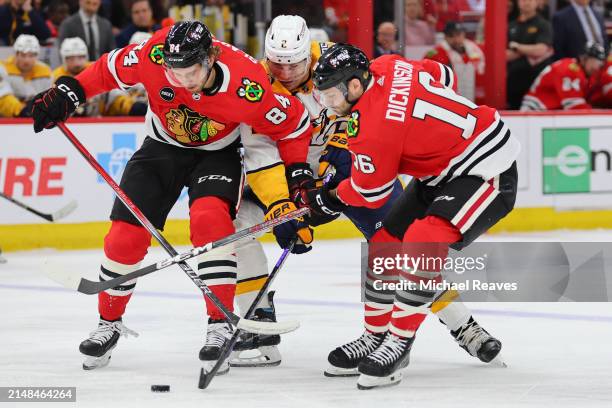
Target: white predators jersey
{"points": [[324, 124]]}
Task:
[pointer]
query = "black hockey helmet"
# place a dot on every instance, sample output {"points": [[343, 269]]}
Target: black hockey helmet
{"points": [[594, 50], [339, 64], [187, 43]]}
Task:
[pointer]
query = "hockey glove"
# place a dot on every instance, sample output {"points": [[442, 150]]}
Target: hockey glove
{"points": [[56, 104], [324, 207], [286, 232], [340, 159], [299, 176]]}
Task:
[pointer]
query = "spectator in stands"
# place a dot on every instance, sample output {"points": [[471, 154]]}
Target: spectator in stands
{"points": [[565, 83], [19, 17], [440, 12], [574, 25], [23, 76], [57, 12], [73, 52], [529, 50], [142, 20], [416, 31], [386, 39], [465, 57], [96, 31]]}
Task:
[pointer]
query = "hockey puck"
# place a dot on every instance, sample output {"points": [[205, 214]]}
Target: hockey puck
{"points": [[160, 388]]}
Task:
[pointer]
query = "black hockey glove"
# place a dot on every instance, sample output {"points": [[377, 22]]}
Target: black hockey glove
{"points": [[56, 104], [324, 207], [286, 232], [299, 177]]}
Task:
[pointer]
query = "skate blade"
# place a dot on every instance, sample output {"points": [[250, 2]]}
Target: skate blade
{"points": [[498, 361], [265, 356], [207, 366], [368, 382], [332, 371], [92, 363]]}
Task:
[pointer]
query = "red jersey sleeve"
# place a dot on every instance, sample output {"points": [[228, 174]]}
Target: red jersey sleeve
{"points": [[570, 87], [116, 69], [375, 164], [441, 73], [283, 119]]}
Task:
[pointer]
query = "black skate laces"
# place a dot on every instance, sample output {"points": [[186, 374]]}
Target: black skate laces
{"points": [[217, 334], [390, 350], [106, 330], [363, 346], [472, 336]]}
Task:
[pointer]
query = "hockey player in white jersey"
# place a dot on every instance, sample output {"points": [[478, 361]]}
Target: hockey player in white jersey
{"points": [[290, 58]]}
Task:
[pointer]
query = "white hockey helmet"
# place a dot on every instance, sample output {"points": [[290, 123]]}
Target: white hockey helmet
{"points": [[73, 47], [139, 37], [27, 44], [287, 40]]}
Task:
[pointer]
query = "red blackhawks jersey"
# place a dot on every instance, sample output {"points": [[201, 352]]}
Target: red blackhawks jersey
{"points": [[208, 120], [600, 93], [561, 85], [409, 121]]}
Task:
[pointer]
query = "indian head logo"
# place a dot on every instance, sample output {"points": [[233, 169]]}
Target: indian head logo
{"points": [[189, 126], [352, 126], [157, 54], [251, 90]]}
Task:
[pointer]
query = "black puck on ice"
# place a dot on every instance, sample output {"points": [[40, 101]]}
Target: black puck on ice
{"points": [[160, 388]]}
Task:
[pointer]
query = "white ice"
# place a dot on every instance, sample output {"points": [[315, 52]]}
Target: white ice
{"points": [[558, 354]]}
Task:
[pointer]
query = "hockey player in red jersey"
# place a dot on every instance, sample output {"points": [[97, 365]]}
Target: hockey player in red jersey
{"points": [[600, 92], [202, 93], [565, 84], [405, 120]]}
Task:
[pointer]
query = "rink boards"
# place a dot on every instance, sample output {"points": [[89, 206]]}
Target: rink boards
{"points": [[565, 178]]}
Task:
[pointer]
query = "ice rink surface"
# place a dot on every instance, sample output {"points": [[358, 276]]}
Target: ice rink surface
{"points": [[558, 354]]}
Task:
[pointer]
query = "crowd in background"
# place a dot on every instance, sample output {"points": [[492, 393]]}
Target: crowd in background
{"points": [[449, 31]]}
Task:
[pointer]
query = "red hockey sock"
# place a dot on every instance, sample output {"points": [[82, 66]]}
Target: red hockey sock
{"points": [[210, 220], [410, 306], [125, 246]]}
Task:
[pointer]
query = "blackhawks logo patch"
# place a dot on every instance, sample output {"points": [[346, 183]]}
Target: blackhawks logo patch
{"points": [[251, 90], [352, 126], [157, 54], [189, 126]]}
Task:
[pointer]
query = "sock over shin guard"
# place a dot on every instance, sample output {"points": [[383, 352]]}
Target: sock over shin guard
{"points": [[125, 246], [252, 274], [429, 238], [210, 220]]}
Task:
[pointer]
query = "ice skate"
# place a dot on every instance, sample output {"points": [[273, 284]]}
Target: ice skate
{"points": [[345, 359], [101, 342], [479, 343], [218, 334], [258, 350], [382, 367]]}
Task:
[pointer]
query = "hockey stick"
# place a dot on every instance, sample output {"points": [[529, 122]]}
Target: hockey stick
{"points": [[232, 318], [57, 215], [74, 281], [206, 377]]}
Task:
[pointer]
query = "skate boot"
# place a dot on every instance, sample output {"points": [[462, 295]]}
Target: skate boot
{"points": [[478, 342], [258, 350], [218, 334], [383, 366], [101, 342], [345, 359]]}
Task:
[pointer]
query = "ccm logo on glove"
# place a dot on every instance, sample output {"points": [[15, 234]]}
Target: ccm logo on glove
{"points": [[73, 96]]}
